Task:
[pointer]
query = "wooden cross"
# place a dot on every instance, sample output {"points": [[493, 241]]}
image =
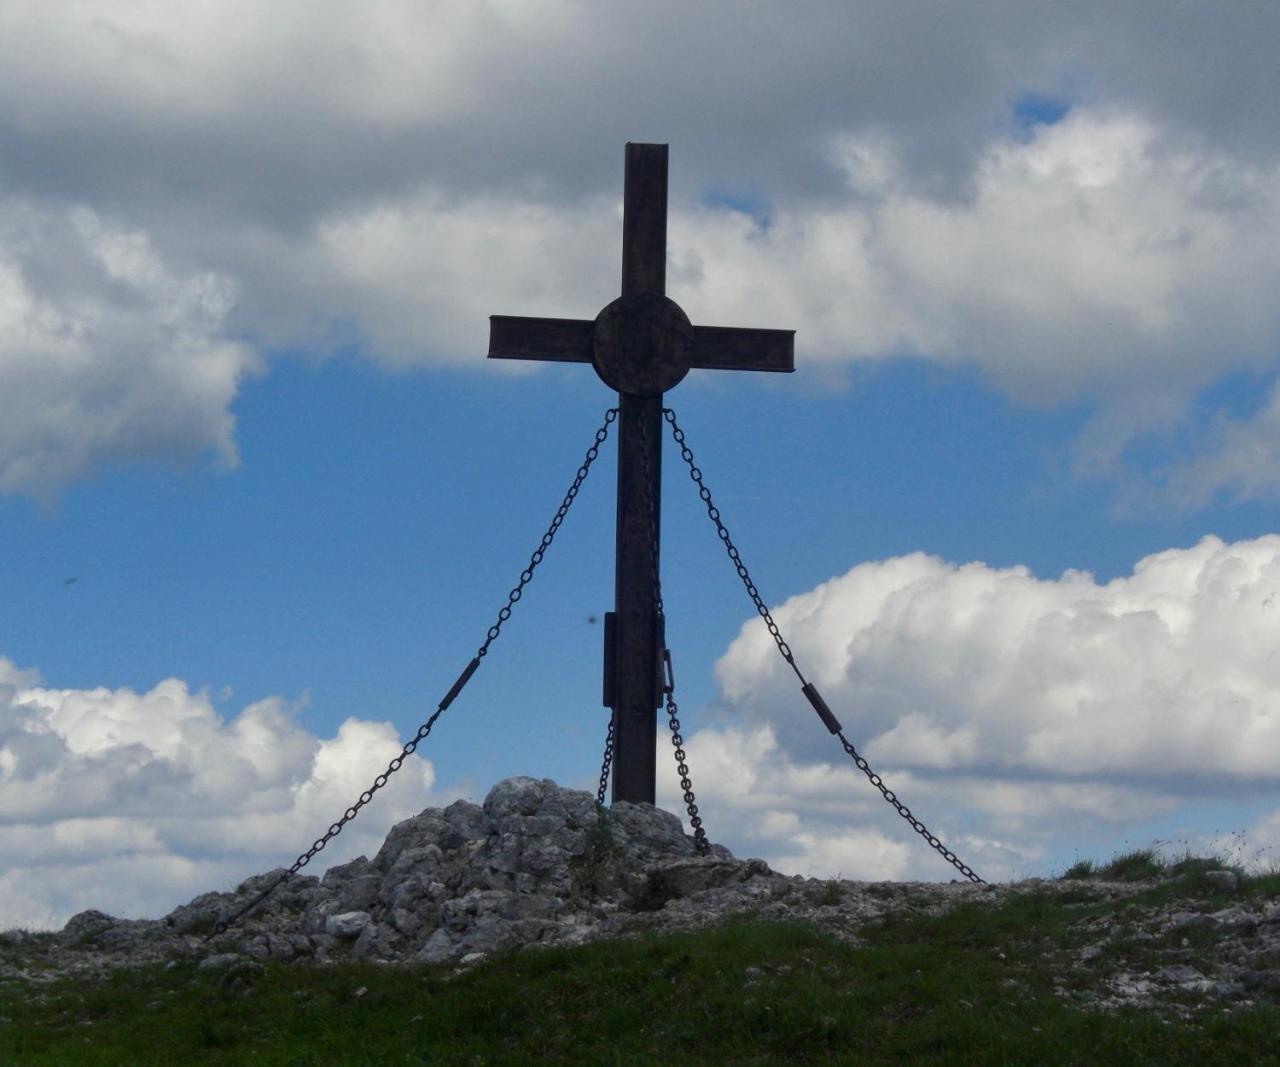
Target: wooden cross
{"points": [[642, 344]]}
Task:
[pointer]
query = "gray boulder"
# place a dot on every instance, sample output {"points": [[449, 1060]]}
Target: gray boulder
{"points": [[348, 925]]}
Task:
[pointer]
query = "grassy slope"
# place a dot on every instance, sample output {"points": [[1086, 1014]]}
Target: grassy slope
{"points": [[974, 986]]}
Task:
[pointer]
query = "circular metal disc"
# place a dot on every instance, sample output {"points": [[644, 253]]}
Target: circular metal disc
{"points": [[643, 344]]}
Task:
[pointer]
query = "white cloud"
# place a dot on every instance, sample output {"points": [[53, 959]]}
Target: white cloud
{"points": [[862, 854], [1093, 260], [134, 802], [1013, 714], [107, 354], [820, 818], [311, 175], [1168, 672], [421, 275]]}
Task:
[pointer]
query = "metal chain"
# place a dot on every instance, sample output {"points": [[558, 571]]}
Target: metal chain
{"points": [[677, 742], [905, 812], [527, 574], [734, 556], [700, 842], [811, 694], [425, 729], [604, 768]]}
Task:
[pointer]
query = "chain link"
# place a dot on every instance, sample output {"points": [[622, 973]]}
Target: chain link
{"points": [[700, 842], [677, 742], [735, 557], [527, 574], [425, 729], [604, 768], [905, 812], [686, 453]]}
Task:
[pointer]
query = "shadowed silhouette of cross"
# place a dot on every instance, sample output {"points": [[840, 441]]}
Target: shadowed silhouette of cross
{"points": [[641, 345]]}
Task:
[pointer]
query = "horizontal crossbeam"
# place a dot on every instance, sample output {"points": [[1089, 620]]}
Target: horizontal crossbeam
{"points": [[742, 348], [557, 340], [572, 341]]}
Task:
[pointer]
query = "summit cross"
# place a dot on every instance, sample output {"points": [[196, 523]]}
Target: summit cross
{"points": [[641, 345]]}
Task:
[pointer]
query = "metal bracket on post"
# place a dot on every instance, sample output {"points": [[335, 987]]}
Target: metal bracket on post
{"points": [[610, 687], [661, 658]]}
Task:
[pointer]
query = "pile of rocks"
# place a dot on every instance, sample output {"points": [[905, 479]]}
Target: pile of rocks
{"points": [[541, 865], [534, 864]]}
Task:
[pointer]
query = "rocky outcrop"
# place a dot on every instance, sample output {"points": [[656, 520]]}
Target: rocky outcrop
{"points": [[535, 864], [540, 865]]}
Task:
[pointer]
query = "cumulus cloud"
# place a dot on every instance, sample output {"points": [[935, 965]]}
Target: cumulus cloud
{"points": [[323, 175], [1091, 260], [133, 802], [820, 818], [1011, 712], [1165, 674], [421, 275], [108, 354]]}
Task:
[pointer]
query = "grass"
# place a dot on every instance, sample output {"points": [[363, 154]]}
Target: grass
{"points": [[1182, 873], [980, 984]]}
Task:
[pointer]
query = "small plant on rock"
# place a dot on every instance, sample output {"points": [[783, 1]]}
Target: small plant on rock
{"points": [[591, 870], [828, 893], [1142, 864], [1080, 870]]}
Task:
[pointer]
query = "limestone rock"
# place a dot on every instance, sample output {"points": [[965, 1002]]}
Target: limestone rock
{"points": [[1222, 881], [87, 925], [348, 925], [533, 864], [536, 864]]}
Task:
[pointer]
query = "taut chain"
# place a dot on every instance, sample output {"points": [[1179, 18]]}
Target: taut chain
{"points": [[700, 842], [526, 576], [811, 694]]}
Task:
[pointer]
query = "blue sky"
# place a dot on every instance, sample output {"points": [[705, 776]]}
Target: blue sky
{"points": [[251, 418]]}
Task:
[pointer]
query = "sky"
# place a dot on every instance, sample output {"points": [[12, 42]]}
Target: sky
{"points": [[1017, 511]]}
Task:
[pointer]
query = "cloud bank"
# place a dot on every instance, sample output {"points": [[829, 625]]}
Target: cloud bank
{"points": [[108, 353], [134, 802], [1010, 711], [185, 194]]}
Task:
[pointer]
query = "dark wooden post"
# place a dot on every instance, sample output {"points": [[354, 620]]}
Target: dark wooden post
{"points": [[638, 645], [641, 345]]}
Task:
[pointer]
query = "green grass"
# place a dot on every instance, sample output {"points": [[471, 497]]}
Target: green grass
{"points": [[981, 984], [1140, 865], [1182, 874]]}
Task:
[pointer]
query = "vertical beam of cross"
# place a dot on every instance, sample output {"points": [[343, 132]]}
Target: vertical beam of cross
{"points": [[641, 344], [638, 643]]}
